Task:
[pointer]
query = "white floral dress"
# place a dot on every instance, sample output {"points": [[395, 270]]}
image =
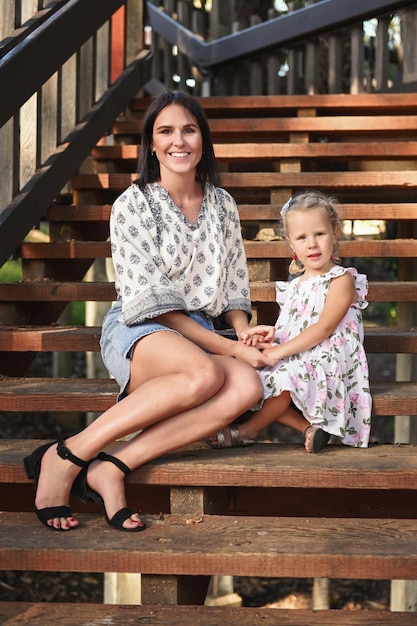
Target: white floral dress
{"points": [[330, 382]]}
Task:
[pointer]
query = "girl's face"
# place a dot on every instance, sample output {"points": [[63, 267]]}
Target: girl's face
{"points": [[311, 237], [177, 141]]}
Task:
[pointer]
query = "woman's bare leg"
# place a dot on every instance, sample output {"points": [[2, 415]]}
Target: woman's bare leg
{"points": [[241, 390], [169, 376]]}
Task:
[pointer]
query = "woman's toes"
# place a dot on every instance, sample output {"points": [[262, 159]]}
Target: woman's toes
{"points": [[64, 523], [133, 521]]}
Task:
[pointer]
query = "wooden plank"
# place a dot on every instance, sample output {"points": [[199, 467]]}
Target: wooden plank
{"points": [[57, 394], [335, 181], [338, 124], [354, 248], [57, 291], [254, 249], [40, 614], [236, 180], [264, 465], [373, 102], [383, 291], [83, 213], [86, 338], [261, 152], [376, 549], [255, 212], [50, 338], [82, 394]]}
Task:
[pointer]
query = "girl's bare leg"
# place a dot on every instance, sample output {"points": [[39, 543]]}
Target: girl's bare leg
{"points": [[182, 384], [276, 409]]}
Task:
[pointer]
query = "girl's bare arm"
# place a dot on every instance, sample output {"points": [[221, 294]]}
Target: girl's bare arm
{"points": [[341, 295]]}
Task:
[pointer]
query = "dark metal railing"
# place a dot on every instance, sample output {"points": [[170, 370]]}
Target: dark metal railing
{"points": [[216, 53]]}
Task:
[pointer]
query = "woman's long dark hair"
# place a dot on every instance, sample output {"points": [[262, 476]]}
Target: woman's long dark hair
{"points": [[148, 165]]}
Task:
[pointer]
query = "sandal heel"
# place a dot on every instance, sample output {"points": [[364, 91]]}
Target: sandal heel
{"points": [[30, 462]]}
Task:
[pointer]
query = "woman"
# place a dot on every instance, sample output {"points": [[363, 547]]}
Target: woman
{"points": [[179, 263]]}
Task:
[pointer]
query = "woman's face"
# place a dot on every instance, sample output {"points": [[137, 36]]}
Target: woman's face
{"points": [[176, 140]]}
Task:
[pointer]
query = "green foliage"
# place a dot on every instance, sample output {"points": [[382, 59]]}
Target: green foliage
{"points": [[78, 313], [11, 272]]}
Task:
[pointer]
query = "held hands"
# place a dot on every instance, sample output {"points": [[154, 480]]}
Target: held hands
{"points": [[251, 346], [252, 355]]}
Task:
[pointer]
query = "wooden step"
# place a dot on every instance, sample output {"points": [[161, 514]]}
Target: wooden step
{"points": [[383, 291], [264, 465], [390, 340], [390, 185], [51, 291], [247, 212], [372, 103], [86, 614], [254, 249], [50, 338], [377, 549], [376, 150], [270, 128]]}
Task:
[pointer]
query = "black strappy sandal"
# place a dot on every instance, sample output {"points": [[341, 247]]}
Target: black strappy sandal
{"points": [[32, 465], [82, 490]]}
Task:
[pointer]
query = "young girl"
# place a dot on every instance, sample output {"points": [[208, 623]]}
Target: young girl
{"points": [[317, 340]]}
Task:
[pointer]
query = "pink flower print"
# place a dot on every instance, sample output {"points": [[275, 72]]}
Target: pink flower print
{"points": [[352, 325], [312, 371], [304, 308], [364, 402], [354, 439], [295, 381], [283, 336], [339, 404], [321, 395]]}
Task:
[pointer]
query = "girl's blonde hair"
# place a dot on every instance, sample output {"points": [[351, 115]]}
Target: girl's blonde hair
{"points": [[312, 199]]}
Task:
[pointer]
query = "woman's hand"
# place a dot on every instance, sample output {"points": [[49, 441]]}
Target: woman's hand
{"points": [[252, 355]]}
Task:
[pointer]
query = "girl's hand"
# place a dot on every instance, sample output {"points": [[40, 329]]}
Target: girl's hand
{"points": [[260, 336], [273, 353]]}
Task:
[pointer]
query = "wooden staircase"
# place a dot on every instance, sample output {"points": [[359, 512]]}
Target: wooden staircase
{"points": [[270, 510]]}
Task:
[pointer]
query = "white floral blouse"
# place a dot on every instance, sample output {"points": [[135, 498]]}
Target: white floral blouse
{"points": [[163, 262]]}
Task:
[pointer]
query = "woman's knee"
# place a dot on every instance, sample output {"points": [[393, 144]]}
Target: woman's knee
{"points": [[245, 388], [205, 379]]}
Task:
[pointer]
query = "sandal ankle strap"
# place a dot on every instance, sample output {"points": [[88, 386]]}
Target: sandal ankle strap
{"points": [[103, 456], [65, 453]]}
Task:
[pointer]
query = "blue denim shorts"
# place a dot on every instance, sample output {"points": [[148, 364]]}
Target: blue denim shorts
{"points": [[117, 341]]}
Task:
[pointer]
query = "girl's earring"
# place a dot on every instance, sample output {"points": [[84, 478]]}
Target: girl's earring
{"points": [[294, 258]]}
